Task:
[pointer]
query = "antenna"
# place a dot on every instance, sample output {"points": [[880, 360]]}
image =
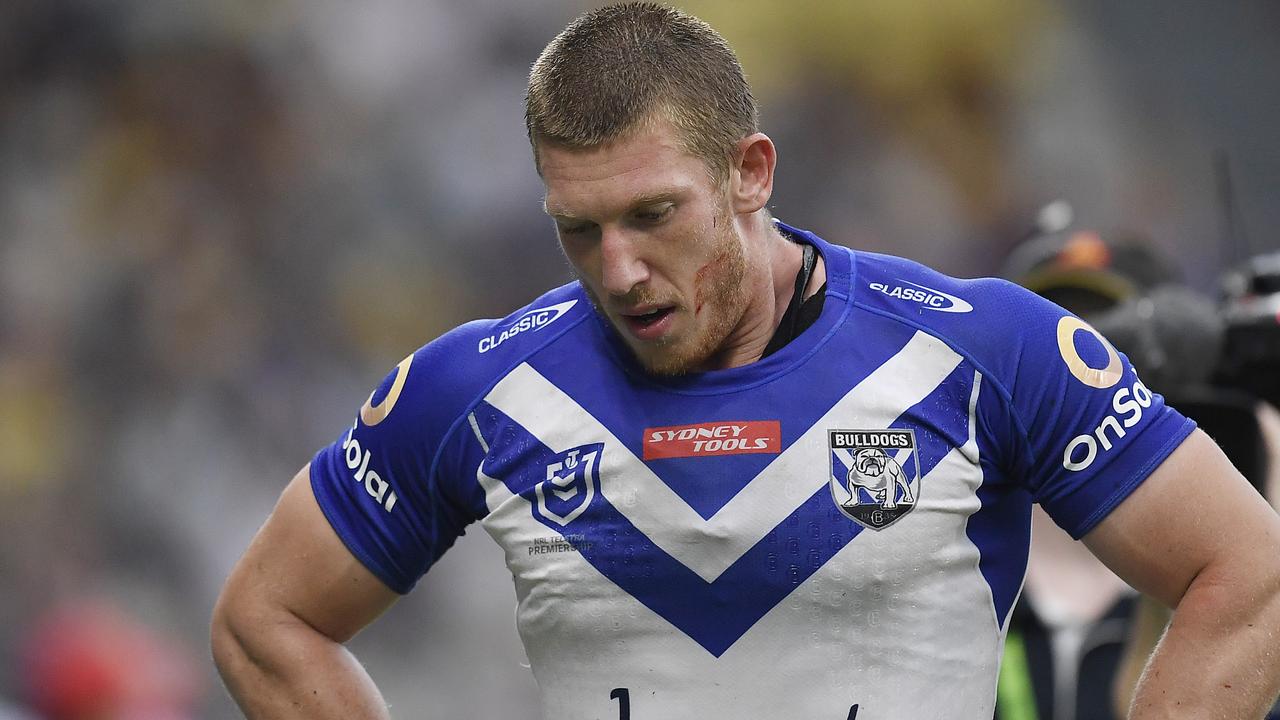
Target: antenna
{"points": [[1237, 243]]}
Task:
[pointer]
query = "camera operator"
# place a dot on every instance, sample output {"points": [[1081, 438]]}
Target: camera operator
{"points": [[1079, 637]]}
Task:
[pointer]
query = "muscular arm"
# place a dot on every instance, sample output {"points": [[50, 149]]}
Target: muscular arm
{"points": [[290, 603], [1199, 539]]}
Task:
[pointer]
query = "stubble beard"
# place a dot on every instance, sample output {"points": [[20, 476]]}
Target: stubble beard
{"points": [[722, 296]]}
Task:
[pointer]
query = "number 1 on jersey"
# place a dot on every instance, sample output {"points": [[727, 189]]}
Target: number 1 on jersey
{"points": [[623, 696]]}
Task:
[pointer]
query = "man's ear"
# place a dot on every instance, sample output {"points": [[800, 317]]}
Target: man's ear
{"points": [[751, 176]]}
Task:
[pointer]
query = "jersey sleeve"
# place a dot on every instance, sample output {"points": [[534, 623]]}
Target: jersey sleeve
{"points": [[1087, 430], [382, 485]]}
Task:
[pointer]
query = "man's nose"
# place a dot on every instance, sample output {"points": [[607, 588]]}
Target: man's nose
{"points": [[621, 266]]}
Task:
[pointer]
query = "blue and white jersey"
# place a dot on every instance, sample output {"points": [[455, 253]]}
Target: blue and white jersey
{"points": [[838, 530]]}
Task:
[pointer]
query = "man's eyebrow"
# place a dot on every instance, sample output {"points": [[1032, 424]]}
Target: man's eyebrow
{"points": [[557, 212], [654, 199], [641, 201], [638, 202]]}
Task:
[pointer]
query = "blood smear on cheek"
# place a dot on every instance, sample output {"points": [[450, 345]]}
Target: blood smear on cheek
{"points": [[700, 276]]}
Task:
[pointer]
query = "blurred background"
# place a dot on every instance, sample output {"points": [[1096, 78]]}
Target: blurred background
{"points": [[221, 223]]}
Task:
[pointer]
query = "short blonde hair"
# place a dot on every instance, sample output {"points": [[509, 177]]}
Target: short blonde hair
{"points": [[613, 69]]}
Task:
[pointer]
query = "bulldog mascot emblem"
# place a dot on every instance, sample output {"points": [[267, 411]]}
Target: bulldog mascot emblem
{"points": [[875, 475]]}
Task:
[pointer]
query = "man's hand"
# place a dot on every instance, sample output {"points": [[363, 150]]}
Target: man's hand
{"points": [[290, 603], [1198, 538]]}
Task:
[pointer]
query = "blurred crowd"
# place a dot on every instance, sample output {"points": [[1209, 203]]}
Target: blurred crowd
{"points": [[222, 222]]}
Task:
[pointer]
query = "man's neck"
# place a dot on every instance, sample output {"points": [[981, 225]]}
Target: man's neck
{"points": [[784, 281], [770, 284]]}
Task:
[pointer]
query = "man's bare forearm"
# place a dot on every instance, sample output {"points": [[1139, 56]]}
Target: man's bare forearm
{"points": [[1219, 658], [286, 669]]}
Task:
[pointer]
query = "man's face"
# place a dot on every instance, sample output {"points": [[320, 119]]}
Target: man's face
{"points": [[653, 241]]}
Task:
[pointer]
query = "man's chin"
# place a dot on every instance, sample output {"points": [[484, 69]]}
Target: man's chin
{"points": [[668, 360]]}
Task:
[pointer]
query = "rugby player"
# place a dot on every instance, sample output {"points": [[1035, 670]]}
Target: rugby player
{"points": [[740, 472]]}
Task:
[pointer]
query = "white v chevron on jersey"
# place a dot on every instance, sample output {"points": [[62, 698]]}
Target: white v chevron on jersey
{"points": [[938, 532], [560, 423]]}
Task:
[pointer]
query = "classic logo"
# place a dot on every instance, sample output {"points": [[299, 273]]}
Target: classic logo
{"points": [[875, 474], [572, 479], [928, 297], [731, 437], [532, 320]]}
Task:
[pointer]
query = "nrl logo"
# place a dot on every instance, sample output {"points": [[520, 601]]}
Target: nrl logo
{"points": [[572, 478], [875, 474]]}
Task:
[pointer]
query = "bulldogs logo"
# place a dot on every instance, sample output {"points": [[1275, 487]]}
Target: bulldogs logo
{"points": [[875, 474]]}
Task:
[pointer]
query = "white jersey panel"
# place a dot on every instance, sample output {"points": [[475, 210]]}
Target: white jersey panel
{"points": [[708, 547]]}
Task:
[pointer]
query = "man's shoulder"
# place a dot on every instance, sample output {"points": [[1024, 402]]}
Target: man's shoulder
{"points": [[449, 373], [914, 291], [994, 322], [528, 328], [486, 348]]}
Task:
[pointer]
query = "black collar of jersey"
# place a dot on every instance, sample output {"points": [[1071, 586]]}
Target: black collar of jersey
{"points": [[801, 311]]}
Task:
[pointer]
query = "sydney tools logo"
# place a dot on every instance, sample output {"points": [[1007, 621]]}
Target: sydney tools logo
{"points": [[717, 438]]}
